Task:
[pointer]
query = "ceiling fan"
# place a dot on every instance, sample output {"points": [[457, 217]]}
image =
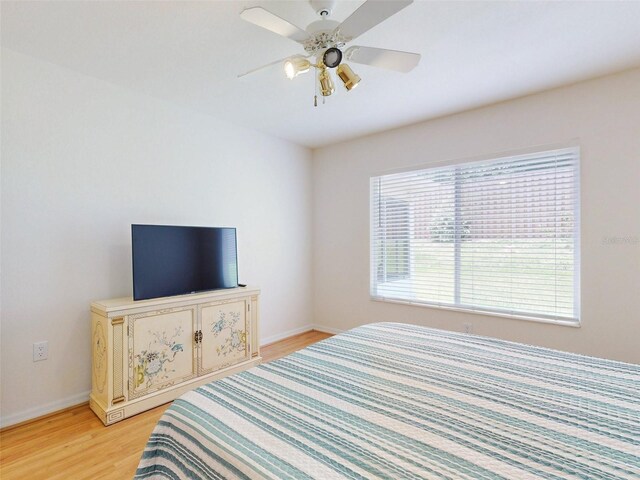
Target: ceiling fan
{"points": [[325, 39]]}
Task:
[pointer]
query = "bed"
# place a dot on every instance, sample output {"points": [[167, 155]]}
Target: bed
{"points": [[390, 400]]}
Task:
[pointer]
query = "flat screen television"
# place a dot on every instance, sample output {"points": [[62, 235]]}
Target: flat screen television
{"points": [[171, 260]]}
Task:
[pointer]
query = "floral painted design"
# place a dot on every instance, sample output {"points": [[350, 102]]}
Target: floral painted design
{"points": [[236, 338], [154, 363], [99, 357]]}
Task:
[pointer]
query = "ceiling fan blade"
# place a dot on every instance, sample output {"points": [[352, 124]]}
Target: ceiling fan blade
{"points": [[281, 62], [368, 15], [272, 22], [380, 57]]}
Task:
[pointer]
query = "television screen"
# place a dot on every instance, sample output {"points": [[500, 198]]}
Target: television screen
{"points": [[169, 260]]}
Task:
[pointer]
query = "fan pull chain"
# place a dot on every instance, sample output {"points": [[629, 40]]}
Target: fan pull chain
{"points": [[315, 90]]}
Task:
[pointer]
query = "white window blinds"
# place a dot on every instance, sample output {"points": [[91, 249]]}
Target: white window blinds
{"points": [[497, 236]]}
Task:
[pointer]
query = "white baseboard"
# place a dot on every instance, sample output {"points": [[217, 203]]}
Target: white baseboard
{"points": [[322, 328], [298, 331], [41, 410], [287, 334], [83, 397]]}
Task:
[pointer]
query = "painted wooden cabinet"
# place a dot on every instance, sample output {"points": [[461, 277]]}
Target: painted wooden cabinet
{"points": [[225, 327], [162, 352], [148, 352]]}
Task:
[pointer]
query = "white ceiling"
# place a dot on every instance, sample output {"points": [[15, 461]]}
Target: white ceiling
{"points": [[473, 54]]}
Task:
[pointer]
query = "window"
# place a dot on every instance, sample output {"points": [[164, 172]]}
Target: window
{"points": [[394, 240], [497, 236]]}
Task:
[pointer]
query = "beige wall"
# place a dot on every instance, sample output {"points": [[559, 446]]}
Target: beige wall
{"points": [[83, 159], [602, 116]]}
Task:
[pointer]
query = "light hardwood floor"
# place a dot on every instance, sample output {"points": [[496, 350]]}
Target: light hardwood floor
{"points": [[73, 444]]}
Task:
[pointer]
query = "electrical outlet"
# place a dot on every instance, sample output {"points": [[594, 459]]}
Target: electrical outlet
{"points": [[468, 327], [40, 351]]}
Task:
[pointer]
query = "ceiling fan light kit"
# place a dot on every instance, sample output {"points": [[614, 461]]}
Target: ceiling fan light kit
{"points": [[332, 57], [326, 38], [327, 86], [350, 79], [295, 66]]}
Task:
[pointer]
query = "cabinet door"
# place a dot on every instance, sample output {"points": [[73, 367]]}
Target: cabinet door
{"points": [[225, 335], [161, 349]]}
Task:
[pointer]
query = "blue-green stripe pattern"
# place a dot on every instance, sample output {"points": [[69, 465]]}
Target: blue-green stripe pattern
{"points": [[399, 401]]}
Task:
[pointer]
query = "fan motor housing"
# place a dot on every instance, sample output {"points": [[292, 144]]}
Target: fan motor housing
{"points": [[322, 35], [320, 26]]}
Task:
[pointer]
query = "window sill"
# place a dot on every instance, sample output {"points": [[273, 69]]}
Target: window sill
{"points": [[563, 323]]}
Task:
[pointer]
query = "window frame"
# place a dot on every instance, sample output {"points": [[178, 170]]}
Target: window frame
{"points": [[493, 311]]}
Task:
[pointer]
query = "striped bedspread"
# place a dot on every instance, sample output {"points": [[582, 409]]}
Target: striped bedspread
{"points": [[390, 400]]}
